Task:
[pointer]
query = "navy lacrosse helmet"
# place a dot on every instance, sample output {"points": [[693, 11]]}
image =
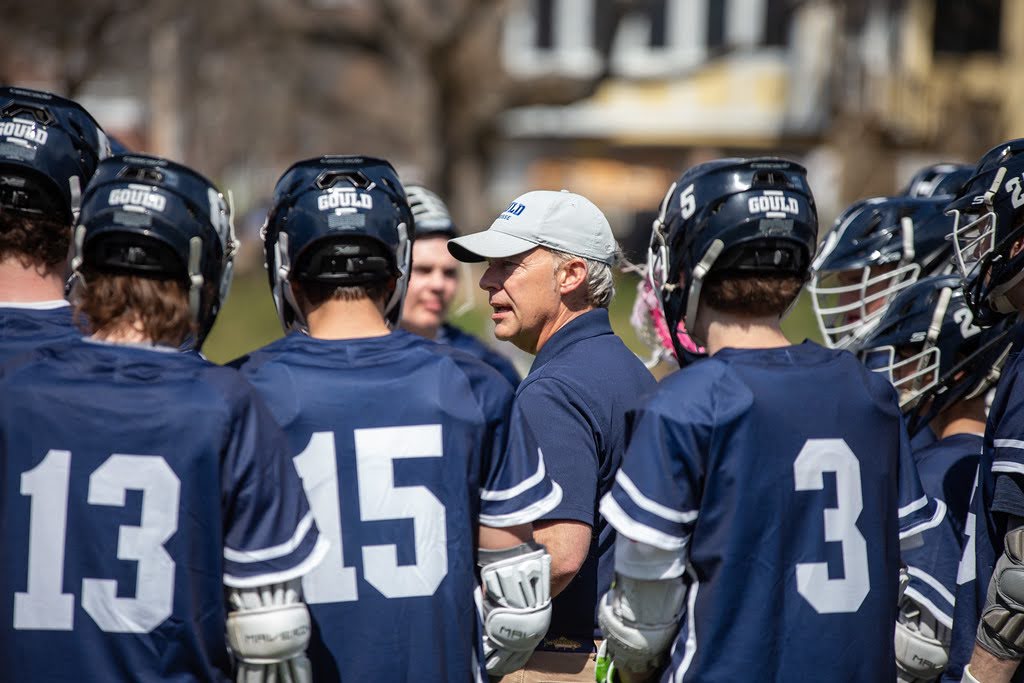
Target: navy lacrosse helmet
{"points": [[987, 220], [729, 216], [429, 213], [875, 249], [340, 220], [49, 149], [147, 216], [931, 350], [938, 180]]}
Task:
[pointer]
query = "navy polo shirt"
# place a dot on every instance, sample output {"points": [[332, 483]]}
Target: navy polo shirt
{"points": [[575, 398]]}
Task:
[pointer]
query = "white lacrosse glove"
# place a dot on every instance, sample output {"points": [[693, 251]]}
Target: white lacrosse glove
{"points": [[516, 605], [268, 633]]}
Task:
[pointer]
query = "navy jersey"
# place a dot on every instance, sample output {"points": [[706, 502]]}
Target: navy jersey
{"points": [[135, 483], [922, 439], [449, 334], [998, 495], [784, 479], [404, 447], [27, 326], [947, 468]]}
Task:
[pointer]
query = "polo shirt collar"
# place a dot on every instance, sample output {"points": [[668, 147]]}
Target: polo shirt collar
{"points": [[590, 324]]}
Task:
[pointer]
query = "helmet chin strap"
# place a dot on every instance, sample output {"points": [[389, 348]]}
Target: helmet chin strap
{"points": [[940, 312], [78, 256], [700, 271], [195, 277], [75, 188], [998, 298], [908, 238], [283, 294], [404, 258]]}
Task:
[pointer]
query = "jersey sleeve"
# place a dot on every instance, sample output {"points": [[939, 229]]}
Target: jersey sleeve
{"points": [[932, 563], [515, 486], [559, 419], [656, 494], [269, 533], [1008, 456], [917, 512]]}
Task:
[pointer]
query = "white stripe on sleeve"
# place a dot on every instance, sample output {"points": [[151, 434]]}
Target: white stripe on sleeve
{"points": [[274, 552], [652, 506]]}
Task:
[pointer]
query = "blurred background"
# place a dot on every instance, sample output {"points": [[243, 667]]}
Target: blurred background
{"points": [[482, 100]]}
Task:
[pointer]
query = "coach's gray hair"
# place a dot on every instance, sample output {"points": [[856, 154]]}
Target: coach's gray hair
{"points": [[600, 283]]}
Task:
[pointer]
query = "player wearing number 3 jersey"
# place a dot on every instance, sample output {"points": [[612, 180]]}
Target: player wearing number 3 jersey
{"points": [[403, 446], [138, 482], [765, 490]]}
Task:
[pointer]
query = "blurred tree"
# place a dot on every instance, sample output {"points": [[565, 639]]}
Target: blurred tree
{"points": [[66, 41], [242, 88], [422, 82]]}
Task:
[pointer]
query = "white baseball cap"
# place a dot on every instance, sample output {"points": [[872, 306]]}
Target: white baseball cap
{"points": [[562, 221]]}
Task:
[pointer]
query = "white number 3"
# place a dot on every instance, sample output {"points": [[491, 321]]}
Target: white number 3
{"points": [[827, 595]]}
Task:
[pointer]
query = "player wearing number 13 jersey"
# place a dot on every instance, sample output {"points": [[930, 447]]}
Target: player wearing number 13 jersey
{"points": [[403, 445], [765, 489], [139, 484]]}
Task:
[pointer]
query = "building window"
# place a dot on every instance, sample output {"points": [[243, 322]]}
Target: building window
{"points": [[967, 27]]}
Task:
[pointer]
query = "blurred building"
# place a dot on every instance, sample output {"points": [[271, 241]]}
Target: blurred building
{"points": [[485, 99], [864, 93]]}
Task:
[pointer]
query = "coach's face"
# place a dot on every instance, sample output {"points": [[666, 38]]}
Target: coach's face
{"points": [[525, 295]]}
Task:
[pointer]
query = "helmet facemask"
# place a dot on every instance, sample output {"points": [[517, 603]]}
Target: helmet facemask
{"points": [[912, 369], [848, 303], [974, 238]]}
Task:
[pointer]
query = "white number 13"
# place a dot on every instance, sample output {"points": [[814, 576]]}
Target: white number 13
{"points": [[43, 606], [828, 596]]}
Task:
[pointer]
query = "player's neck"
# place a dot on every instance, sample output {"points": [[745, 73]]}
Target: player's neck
{"points": [[123, 333], [725, 330], [343, 319], [19, 284], [965, 417]]}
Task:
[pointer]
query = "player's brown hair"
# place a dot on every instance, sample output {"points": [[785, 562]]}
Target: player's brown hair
{"points": [[35, 241], [754, 295], [160, 307]]}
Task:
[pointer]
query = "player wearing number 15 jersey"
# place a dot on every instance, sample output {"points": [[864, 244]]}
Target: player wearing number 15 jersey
{"points": [[765, 489], [137, 483], [403, 445]]}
